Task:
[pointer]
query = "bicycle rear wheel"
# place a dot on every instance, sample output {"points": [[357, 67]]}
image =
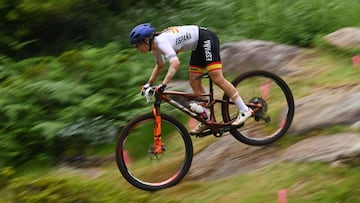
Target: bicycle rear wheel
{"points": [[146, 170], [273, 104]]}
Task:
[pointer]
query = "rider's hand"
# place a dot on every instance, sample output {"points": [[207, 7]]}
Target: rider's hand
{"points": [[147, 90], [160, 88]]}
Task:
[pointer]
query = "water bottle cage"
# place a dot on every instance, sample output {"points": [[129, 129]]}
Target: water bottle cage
{"points": [[200, 110], [203, 115]]}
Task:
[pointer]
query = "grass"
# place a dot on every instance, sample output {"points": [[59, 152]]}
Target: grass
{"points": [[301, 180], [326, 70]]}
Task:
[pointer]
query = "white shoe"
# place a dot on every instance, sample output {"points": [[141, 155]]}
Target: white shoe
{"points": [[198, 129], [243, 116]]}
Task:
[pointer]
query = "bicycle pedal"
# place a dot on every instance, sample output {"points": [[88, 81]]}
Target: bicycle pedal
{"points": [[225, 129], [203, 133]]}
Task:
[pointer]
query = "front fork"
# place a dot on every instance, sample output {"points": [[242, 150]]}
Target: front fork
{"points": [[158, 146]]}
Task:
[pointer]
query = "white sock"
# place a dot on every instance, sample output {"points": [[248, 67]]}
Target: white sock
{"points": [[241, 105]]}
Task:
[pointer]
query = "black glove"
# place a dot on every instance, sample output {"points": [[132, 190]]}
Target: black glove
{"points": [[160, 88]]}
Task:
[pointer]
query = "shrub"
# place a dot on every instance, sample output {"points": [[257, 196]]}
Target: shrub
{"points": [[41, 96], [84, 133]]}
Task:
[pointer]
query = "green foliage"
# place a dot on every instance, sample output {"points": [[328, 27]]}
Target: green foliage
{"points": [[48, 27], [290, 21], [33, 27], [84, 133], [296, 22], [6, 173], [47, 98]]}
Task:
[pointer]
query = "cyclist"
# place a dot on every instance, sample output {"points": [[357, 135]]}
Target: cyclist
{"points": [[205, 55]]}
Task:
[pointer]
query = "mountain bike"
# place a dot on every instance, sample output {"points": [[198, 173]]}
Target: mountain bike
{"points": [[154, 150]]}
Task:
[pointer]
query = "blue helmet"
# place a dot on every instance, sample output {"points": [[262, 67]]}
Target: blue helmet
{"points": [[141, 31]]}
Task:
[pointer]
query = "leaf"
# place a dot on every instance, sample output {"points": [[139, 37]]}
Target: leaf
{"points": [[48, 128], [62, 91]]}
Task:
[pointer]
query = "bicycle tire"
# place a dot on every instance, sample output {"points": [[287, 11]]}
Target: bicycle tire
{"points": [[136, 164], [264, 129]]}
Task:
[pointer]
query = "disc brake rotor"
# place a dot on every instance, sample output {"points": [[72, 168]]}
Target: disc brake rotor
{"points": [[260, 108]]}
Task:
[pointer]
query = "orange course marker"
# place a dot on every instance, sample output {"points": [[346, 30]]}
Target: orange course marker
{"points": [[265, 90], [356, 60], [282, 196]]}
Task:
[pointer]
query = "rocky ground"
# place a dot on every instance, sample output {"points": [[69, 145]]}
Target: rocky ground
{"points": [[325, 107]]}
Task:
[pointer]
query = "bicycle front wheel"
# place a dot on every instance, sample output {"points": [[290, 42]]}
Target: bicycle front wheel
{"points": [[273, 104], [145, 169]]}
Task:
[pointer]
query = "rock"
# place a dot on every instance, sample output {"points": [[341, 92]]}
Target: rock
{"points": [[245, 55], [343, 148], [327, 107], [356, 125], [227, 157], [344, 38]]}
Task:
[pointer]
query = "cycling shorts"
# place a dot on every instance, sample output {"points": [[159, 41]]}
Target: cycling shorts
{"points": [[206, 56]]}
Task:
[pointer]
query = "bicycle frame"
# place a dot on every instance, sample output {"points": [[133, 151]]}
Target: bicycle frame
{"points": [[168, 158], [215, 127]]}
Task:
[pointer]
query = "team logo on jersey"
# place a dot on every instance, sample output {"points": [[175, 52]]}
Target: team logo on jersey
{"points": [[182, 38], [207, 48], [171, 30]]}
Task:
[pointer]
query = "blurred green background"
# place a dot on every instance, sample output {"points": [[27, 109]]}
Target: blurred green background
{"points": [[68, 74]]}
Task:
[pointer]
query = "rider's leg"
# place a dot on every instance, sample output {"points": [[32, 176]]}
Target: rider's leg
{"points": [[218, 78], [229, 89], [198, 89], [196, 84]]}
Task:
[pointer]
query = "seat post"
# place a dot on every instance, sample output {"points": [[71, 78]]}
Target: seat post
{"points": [[210, 86], [211, 89], [211, 99]]}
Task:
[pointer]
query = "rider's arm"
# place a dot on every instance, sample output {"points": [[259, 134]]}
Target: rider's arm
{"points": [[159, 66], [166, 48], [173, 68]]}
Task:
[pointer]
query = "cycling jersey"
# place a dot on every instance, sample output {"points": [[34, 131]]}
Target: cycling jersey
{"points": [[175, 39], [203, 43]]}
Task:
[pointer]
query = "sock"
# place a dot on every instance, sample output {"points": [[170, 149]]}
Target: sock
{"points": [[241, 105]]}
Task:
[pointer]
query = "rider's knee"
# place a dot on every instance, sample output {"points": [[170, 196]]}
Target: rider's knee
{"points": [[219, 80], [195, 84]]}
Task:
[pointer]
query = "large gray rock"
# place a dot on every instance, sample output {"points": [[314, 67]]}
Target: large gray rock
{"points": [[339, 148], [245, 55], [227, 156], [345, 38], [326, 108]]}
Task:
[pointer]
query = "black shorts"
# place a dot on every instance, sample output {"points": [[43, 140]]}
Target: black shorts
{"points": [[207, 53]]}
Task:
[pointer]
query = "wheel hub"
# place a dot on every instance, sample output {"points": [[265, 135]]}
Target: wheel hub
{"points": [[260, 107]]}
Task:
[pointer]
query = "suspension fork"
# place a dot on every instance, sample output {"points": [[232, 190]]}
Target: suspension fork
{"points": [[158, 146]]}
